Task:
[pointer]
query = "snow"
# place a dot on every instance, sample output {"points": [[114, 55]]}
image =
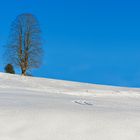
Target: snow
{"points": [[48, 109]]}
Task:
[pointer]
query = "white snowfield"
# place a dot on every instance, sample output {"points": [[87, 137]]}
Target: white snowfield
{"points": [[47, 109]]}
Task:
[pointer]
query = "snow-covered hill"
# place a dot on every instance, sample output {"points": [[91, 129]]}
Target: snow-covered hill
{"points": [[47, 109]]}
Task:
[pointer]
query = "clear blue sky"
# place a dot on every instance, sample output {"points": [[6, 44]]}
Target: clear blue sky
{"points": [[95, 41]]}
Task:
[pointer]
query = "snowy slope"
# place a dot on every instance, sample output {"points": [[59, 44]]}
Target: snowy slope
{"points": [[47, 109]]}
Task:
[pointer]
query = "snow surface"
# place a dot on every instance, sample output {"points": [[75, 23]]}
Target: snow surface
{"points": [[47, 109]]}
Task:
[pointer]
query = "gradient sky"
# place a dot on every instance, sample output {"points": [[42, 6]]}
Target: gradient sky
{"points": [[84, 40]]}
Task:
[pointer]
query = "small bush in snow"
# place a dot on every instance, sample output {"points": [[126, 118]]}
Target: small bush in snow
{"points": [[9, 69]]}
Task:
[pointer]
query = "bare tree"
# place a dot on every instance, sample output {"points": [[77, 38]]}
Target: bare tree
{"points": [[24, 45]]}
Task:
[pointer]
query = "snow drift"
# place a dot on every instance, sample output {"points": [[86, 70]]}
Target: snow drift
{"points": [[47, 109]]}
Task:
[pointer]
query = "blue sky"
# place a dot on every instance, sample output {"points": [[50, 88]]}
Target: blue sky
{"points": [[84, 40]]}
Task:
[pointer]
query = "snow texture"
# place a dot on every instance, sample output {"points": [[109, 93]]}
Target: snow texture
{"points": [[47, 109]]}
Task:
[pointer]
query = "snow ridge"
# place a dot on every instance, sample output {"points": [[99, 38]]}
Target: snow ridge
{"points": [[47, 109]]}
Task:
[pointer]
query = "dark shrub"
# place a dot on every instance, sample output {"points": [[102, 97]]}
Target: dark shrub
{"points": [[9, 69]]}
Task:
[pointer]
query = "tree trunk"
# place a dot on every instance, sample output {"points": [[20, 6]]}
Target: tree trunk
{"points": [[23, 72]]}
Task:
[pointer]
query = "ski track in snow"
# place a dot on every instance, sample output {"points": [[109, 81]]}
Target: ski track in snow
{"points": [[82, 102]]}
